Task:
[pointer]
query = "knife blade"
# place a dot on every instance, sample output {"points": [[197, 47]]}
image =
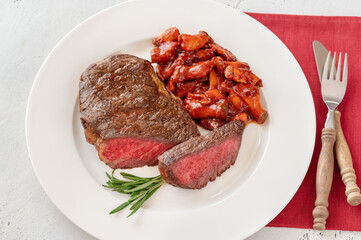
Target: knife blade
{"points": [[320, 53]]}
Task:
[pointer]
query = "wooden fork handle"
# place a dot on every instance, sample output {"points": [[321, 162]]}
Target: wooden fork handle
{"points": [[324, 178], [344, 160]]}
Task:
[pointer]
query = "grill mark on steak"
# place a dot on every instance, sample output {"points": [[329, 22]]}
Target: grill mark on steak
{"points": [[192, 164], [121, 98]]}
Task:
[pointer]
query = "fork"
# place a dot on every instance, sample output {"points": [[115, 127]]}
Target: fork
{"points": [[333, 91]]}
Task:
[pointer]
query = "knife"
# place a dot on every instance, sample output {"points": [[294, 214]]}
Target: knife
{"points": [[343, 154]]}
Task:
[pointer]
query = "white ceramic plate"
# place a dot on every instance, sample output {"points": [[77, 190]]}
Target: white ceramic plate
{"points": [[272, 162]]}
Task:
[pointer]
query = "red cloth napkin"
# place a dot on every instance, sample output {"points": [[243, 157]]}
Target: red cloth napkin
{"points": [[337, 34]]}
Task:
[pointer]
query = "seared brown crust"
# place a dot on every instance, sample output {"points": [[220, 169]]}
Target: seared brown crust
{"points": [[197, 145], [122, 96]]}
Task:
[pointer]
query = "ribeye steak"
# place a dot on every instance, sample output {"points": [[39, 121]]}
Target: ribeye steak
{"points": [[192, 164], [128, 114]]}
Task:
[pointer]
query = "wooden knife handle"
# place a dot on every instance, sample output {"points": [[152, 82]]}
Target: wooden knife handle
{"points": [[324, 178], [344, 160]]}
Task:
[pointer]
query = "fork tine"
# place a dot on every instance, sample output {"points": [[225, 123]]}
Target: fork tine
{"points": [[338, 73], [326, 68], [344, 74], [333, 67]]}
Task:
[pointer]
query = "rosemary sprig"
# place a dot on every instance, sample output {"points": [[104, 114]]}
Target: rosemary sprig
{"points": [[140, 189]]}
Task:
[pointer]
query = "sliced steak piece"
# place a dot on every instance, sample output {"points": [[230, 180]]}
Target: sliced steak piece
{"points": [[128, 114], [192, 164]]}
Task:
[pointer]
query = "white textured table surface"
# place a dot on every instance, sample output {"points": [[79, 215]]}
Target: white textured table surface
{"points": [[28, 31]]}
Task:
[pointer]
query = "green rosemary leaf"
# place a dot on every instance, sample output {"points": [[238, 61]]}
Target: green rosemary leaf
{"points": [[140, 187], [133, 183], [120, 207], [133, 177], [136, 196], [116, 181], [110, 177], [122, 187], [134, 193]]}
